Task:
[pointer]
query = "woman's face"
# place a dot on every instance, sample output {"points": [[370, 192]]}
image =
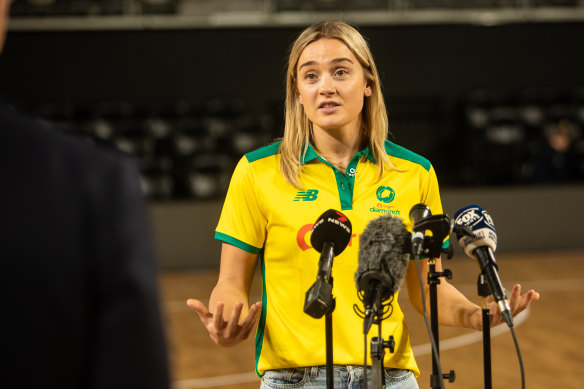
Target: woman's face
{"points": [[331, 85]]}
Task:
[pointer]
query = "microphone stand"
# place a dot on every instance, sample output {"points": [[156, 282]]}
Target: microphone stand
{"points": [[328, 330], [319, 301], [375, 314], [433, 281], [378, 346], [484, 292], [431, 247]]}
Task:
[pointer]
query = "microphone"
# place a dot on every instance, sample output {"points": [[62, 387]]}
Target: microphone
{"points": [[422, 221], [418, 212], [331, 228], [481, 247], [382, 264], [330, 236]]}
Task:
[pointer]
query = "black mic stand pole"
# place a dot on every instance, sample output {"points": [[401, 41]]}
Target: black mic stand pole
{"points": [[378, 346], [328, 324], [433, 281], [431, 246], [484, 292], [319, 301]]}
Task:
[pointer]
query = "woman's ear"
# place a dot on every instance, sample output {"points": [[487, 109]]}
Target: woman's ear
{"points": [[368, 91]]}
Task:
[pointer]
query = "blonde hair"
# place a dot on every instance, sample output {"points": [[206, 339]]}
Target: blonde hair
{"points": [[297, 128]]}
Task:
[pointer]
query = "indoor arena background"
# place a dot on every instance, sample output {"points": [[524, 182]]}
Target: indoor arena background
{"points": [[477, 87]]}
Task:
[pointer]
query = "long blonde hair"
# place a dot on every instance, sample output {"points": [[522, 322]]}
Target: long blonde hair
{"points": [[297, 128]]}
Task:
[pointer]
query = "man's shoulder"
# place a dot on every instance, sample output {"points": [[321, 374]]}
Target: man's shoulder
{"points": [[35, 141]]}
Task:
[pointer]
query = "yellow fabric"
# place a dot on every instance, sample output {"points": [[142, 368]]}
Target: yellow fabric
{"points": [[262, 210]]}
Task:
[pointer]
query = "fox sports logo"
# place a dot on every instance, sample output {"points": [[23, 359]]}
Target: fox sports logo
{"points": [[473, 216]]}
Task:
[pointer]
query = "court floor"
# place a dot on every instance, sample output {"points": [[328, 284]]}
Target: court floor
{"points": [[549, 333]]}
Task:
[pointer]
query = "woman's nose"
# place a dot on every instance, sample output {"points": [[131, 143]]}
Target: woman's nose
{"points": [[327, 88]]}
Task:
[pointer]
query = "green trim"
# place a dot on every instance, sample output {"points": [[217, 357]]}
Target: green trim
{"points": [[263, 152], [345, 182], [403, 153], [259, 341], [345, 185], [310, 154], [367, 153], [446, 243], [237, 243]]}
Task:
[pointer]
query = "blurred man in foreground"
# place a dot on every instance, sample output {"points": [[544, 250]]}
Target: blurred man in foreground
{"points": [[78, 282]]}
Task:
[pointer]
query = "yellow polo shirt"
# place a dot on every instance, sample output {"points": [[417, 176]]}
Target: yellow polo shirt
{"points": [[266, 215]]}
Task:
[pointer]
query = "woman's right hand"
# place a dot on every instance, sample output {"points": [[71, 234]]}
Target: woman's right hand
{"points": [[231, 332]]}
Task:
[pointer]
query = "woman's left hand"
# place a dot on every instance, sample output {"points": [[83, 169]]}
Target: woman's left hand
{"points": [[517, 302]]}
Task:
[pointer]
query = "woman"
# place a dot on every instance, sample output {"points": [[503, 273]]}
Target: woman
{"points": [[334, 154]]}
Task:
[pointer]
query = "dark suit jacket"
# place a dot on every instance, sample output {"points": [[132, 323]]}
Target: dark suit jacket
{"points": [[79, 301]]}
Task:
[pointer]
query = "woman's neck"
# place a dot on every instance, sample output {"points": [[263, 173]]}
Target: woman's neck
{"points": [[337, 147]]}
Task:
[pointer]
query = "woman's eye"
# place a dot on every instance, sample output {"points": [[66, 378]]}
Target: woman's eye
{"points": [[310, 76], [341, 72]]}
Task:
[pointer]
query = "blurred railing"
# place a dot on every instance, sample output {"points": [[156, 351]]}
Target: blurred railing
{"points": [[173, 14]]}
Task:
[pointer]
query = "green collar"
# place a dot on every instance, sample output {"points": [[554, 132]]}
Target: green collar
{"points": [[311, 154]]}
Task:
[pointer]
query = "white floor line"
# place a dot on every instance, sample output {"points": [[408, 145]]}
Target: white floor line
{"points": [[473, 337]]}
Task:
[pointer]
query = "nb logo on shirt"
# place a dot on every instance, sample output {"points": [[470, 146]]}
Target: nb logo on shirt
{"points": [[309, 195]]}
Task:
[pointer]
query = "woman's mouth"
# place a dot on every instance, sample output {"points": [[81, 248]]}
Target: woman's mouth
{"points": [[328, 107]]}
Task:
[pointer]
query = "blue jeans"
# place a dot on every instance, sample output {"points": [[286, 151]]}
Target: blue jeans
{"points": [[345, 377]]}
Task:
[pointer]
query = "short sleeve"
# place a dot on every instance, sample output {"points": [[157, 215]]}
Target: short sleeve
{"points": [[431, 197], [242, 222], [431, 194]]}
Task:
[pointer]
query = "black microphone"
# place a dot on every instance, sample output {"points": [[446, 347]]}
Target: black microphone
{"points": [[417, 213], [382, 264], [481, 247], [332, 227], [422, 220], [330, 236]]}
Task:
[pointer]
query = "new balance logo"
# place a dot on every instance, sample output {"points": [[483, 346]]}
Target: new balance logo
{"points": [[309, 195]]}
